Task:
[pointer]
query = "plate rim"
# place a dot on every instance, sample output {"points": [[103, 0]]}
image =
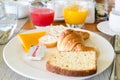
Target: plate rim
{"points": [[101, 25], [18, 72]]}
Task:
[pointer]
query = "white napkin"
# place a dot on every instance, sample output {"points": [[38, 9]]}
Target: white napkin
{"points": [[91, 15], [117, 5]]}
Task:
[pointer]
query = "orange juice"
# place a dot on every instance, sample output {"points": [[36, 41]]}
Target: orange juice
{"points": [[75, 14]]}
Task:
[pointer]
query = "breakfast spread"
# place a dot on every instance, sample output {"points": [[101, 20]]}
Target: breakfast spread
{"points": [[73, 57]]}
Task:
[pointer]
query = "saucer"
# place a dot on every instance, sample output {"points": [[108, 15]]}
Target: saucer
{"points": [[104, 27]]}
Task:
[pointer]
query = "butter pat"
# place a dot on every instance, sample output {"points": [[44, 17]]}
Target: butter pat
{"points": [[49, 41]]}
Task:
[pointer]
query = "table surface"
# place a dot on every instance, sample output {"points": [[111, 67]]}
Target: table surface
{"points": [[7, 74], [92, 27]]}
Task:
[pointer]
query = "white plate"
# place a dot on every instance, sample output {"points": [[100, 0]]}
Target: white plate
{"points": [[13, 55], [104, 27]]}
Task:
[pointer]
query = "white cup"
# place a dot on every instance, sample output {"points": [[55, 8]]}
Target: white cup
{"points": [[58, 6], [114, 21]]}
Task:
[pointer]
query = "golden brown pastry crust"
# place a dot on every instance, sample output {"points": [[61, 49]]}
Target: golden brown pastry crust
{"points": [[71, 40], [66, 40], [85, 35]]}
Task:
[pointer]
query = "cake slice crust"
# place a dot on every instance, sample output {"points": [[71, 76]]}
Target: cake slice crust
{"points": [[82, 63]]}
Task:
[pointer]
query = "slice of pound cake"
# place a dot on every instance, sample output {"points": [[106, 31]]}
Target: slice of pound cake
{"points": [[81, 63]]}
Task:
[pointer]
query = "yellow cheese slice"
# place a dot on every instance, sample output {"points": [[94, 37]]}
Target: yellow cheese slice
{"points": [[30, 39]]}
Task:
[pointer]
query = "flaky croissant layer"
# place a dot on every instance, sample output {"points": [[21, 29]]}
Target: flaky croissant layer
{"points": [[71, 40]]}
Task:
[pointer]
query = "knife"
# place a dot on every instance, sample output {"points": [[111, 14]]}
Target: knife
{"points": [[115, 41]]}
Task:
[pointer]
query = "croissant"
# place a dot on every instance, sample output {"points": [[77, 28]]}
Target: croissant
{"points": [[71, 40]]}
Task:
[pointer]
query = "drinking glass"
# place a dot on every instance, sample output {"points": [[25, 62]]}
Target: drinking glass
{"points": [[8, 21], [41, 15], [75, 13]]}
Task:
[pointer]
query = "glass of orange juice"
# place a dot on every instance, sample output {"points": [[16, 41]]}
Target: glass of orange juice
{"points": [[75, 13]]}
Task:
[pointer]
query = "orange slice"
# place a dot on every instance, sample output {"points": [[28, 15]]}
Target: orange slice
{"points": [[30, 39]]}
